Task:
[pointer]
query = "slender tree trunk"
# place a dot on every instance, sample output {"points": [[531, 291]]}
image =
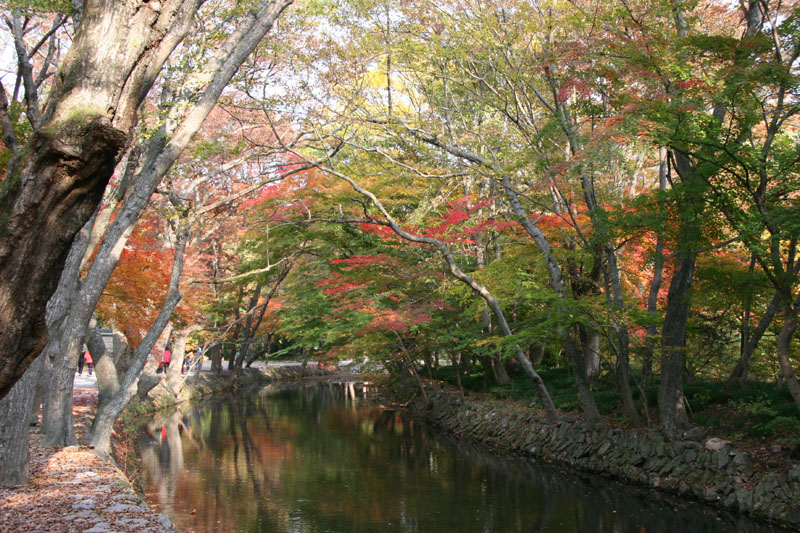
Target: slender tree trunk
{"points": [[174, 381], [750, 340], [454, 359], [784, 353], [623, 340], [671, 403], [100, 435], [590, 346], [104, 366]]}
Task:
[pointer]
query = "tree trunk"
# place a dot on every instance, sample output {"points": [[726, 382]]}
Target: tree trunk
{"points": [[590, 346], [100, 435], [215, 354], [454, 359], [671, 403], [174, 380], [55, 183], [750, 340], [784, 353], [14, 426], [622, 366], [499, 370], [161, 154], [104, 367]]}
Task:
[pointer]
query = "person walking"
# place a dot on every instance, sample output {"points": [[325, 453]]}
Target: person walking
{"points": [[89, 361], [167, 358], [81, 362]]}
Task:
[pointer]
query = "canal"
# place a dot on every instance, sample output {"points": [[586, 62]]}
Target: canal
{"points": [[318, 458]]}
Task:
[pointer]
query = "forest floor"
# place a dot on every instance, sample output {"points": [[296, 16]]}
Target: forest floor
{"points": [[72, 489]]}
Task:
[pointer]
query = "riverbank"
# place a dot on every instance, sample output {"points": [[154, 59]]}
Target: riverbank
{"points": [[697, 467], [72, 489]]}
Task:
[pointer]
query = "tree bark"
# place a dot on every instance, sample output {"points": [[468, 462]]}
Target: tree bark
{"points": [[750, 340], [57, 180], [15, 409], [100, 435], [104, 366], [161, 154], [671, 403], [784, 353]]}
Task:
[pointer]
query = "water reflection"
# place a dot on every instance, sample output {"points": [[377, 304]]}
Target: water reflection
{"points": [[315, 458]]}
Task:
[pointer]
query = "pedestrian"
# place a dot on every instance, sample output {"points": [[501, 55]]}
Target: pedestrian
{"points": [[167, 358], [81, 362], [89, 361]]}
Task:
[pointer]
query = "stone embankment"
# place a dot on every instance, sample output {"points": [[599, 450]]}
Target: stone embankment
{"points": [[710, 470]]}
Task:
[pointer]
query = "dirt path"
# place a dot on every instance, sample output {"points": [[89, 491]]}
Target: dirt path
{"points": [[72, 489]]}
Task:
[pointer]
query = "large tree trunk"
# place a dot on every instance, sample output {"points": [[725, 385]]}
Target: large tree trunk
{"points": [[15, 409], [55, 183], [162, 152], [215, 354]]}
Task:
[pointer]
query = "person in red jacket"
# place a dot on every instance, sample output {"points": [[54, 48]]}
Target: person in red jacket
{"points": [[89, 361], [167, 358]]}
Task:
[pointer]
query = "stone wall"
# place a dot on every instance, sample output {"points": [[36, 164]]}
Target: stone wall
{"points": [[705, 469]]}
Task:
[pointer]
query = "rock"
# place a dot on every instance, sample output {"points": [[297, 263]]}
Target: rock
{"points": [[714, 444], [102, 527], [742, 461], [696, 433], [794, 474], [85, 506], [730, 501], [793, 516], [690, 456], [776, 448], [744, 498], [120, 507], [767, 485], [637, 460], [687, 445], [604, 448], [721, 459], [137, 523], [164, 520]]}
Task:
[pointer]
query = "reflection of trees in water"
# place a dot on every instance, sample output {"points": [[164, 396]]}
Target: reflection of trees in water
{"points": [[314, 458]]}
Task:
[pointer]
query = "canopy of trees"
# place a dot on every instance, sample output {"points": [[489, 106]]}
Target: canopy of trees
{"points": [[610, 187]]}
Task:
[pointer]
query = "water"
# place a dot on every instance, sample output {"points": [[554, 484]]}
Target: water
{"points": [[318, 459]]}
